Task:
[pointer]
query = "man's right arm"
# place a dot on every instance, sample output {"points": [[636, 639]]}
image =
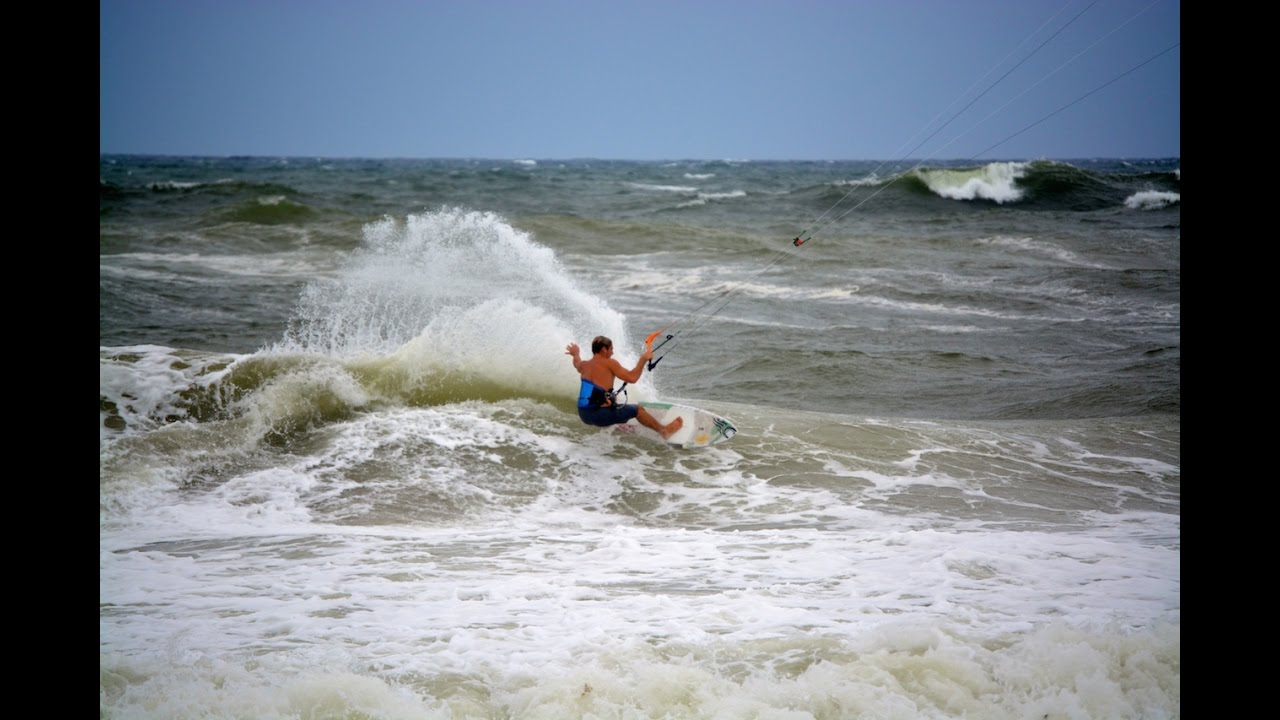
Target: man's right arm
{"points": [[632, 375]]}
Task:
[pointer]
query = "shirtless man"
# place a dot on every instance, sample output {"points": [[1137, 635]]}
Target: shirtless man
{"points": [[596, 404]]}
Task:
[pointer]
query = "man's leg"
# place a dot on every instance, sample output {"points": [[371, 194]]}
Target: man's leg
{"points": [[652, 423]]}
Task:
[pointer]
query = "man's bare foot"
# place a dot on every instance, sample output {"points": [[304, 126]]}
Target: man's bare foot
{"points": [[670, 428]]}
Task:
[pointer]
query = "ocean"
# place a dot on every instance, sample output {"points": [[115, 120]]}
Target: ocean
{"points": [[341, 473]]}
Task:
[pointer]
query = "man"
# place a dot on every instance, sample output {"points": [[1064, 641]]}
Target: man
{"points": [[596, 403]]}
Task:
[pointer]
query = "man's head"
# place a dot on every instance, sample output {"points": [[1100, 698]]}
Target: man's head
{"points": [[601, 343]]}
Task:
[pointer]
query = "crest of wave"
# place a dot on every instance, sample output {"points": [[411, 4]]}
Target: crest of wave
{"points": [[1152, 200], [994, 181], [457, 289]]}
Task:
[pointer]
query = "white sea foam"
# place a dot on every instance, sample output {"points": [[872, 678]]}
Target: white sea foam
{"points": [[175, 185], [663, 188], [704, 198], [705, 284], [428, 275], [915, 672], [955, 329], [194, 267], [419, 554], [994, 181], [145, 389], [1151, 200], [870, 180], [1040, 247]]}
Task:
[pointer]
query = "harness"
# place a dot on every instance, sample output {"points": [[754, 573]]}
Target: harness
{"points": [[592, 396]]}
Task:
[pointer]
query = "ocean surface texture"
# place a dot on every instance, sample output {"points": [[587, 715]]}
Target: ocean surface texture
{"points": [[342, 474]]}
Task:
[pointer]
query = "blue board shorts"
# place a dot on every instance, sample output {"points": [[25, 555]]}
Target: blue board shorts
{"points": [[606, 416]]}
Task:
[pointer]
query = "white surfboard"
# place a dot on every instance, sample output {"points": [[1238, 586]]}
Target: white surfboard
{"points": [[700, 429]]}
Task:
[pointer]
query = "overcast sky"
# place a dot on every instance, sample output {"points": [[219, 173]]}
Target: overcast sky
{"points": [[642, 79]]}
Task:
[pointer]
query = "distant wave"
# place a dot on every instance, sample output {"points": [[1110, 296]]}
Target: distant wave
{"points": [[708, 284], [997, 182], [222, 187], [704, 198], [869, 181], [1039, 247], [269, 210], [664, 188], [1048, 185], [1152, 200], [175, 185]]}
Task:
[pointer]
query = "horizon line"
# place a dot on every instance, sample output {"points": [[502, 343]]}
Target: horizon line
{"points": [[587, 158]]}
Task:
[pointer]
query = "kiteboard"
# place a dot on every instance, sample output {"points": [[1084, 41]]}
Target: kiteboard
{"points": [[700, 429]]}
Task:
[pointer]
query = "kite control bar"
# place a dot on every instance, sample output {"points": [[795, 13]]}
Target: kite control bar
{"points": [[648, 345]]}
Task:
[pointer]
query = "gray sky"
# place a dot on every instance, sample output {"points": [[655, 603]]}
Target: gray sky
{"points": [[642, 79]]}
